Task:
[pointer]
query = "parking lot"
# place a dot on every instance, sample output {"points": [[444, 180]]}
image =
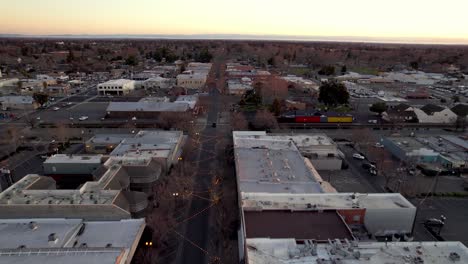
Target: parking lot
{"points": [[454, 209], [94, 112]]}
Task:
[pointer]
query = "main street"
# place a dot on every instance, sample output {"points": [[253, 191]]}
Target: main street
{"points": [[197, 235]]}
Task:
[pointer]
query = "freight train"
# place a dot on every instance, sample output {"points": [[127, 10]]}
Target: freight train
{"points": [[315, 117]]}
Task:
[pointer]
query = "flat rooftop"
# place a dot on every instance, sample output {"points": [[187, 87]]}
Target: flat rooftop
{"points": [[25, 192], [324, 201], [300, 225], [117, 82], [274, 171], [146, 107], [109, 138], [281, 251], [81, 159], [270, 165], [68, 240]]}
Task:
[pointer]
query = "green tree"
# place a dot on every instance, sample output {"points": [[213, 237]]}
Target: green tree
{"points": [[40, 98], [414, 65], [70, 56], [344, 69], [327, 70], [131, 60], [276, 107], [379, 107], [333, 93], [204, 56]]}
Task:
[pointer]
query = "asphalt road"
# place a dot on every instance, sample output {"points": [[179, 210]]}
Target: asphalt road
{"points": [[454, 209], [197, 229]]}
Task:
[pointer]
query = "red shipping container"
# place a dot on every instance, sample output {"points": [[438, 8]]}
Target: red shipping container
{"points": [[307, 119]]}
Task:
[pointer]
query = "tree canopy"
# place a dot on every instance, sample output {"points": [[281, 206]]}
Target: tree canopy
{"points": [[131, 60], [333, 93], [379, 107], [327, 70], [40, 98]]}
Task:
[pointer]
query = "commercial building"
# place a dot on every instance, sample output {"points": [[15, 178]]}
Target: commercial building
{"points": [[289, 251], [195, 75], [116, 87], [322, 152], [36, 196], [190, 100], [143, 110], [448, 151], [191, 80], [282, 196], [105, 143], [270, 165], [70, 171], [70, 241], [409, 149], [72, 164], [379, 214], [18, 102], [157, 83], [163, 146], [239, 86]]}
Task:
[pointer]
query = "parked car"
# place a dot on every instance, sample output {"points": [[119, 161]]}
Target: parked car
{"points": [[378, 145], [56, 108], [372, 121], [373, 171], [368, 166], [83, 118], [358, 156]]}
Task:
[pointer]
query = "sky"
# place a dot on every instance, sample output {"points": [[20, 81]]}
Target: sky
{"points": [[423, 20]]}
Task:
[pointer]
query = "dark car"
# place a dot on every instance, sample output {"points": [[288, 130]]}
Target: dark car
{"points": [[368, 166], [213, 125]]}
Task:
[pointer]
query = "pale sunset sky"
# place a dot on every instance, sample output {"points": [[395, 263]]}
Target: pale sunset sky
{"points": [[404, 19]]}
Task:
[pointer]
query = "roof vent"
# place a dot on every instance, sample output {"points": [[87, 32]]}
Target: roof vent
{"points": [[53, 238], [33, 225], [454, 256]]}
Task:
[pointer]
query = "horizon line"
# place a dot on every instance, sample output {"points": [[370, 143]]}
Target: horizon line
{"points": [[265, 37]]}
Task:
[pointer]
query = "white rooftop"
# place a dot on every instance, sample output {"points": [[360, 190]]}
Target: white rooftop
{"points": [[82, 159], [272, 166], [117, 82], [276, 201], [287, 251], [68, 240]]}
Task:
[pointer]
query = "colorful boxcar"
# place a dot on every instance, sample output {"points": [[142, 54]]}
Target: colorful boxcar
{"points": [[307, 119], [340, 119]]}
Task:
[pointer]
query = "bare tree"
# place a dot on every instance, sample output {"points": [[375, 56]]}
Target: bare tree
{"points": [[239, 122], [265, 120]]}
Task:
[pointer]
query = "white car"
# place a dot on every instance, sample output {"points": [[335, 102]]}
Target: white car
{"points": [[38, 118], [358, 156], [69, 103], [378, 145], [372, 121], [134, 118], [55, 108], [71, 118], [83, 118]]}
